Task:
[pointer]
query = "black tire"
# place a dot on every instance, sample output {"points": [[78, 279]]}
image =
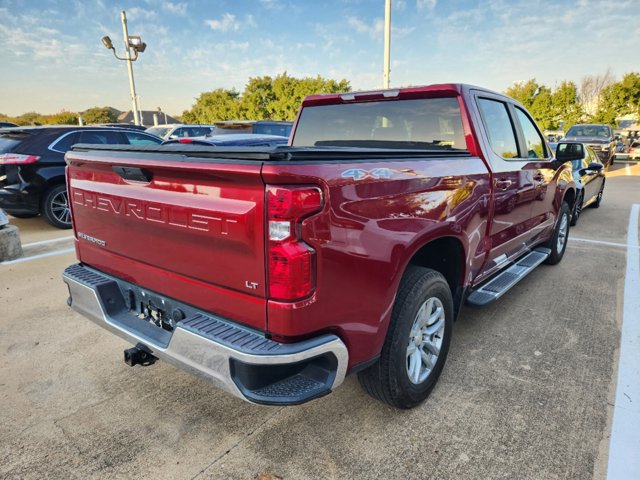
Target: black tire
{"points": [[388, 379], [577, 209], [23, 215], [55, 207], [598, 200], [561, 231]]}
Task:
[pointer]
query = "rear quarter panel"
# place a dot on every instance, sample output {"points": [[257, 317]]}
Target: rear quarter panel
{"points": [[376, 216]]}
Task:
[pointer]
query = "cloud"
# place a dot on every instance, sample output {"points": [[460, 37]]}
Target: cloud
{"points": [[137, 13], [426, 4], [40, 43], [179, 8], [272, 4], [399, 5], [376, 28], [361, 27], [229, 23]]}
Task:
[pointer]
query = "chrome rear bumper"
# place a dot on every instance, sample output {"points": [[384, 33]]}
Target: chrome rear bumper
{"points": [[235, 358]]}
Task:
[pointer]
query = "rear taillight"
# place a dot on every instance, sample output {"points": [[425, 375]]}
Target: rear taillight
{"points": [[291, 261], [17, 159], [185, 140]]}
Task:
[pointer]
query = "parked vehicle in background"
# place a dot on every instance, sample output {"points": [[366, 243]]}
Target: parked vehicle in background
{"points": [[120, 125], [634, 150], [266, 127], [233, 140], [32, 166], [588, 173], [180, 130], [598, 136], [7, 125], [276, 272]]}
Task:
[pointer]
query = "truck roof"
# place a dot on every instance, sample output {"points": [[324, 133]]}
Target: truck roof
{"points": [[448, 89]]}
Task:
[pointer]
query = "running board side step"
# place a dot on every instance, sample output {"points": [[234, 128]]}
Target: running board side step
{"points": [[501, 283]]}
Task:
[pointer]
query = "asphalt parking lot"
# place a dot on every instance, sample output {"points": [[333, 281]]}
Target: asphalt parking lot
{"points": [[528, 390]]}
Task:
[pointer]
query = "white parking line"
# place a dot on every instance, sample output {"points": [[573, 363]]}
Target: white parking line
{"points": [[44, 242], [36, 257], [624, 444], [599, 242]]}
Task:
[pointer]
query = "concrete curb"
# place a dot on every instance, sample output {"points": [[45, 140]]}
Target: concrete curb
{"points": [[10, 246]]}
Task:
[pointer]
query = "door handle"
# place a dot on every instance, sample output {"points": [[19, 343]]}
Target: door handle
{"points": [[503, 184]]}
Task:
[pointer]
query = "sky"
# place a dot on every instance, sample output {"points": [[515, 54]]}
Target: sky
{"points": [[52, 58]]}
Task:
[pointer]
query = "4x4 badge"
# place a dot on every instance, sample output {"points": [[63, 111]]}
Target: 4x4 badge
{"points": [[360, 174]]}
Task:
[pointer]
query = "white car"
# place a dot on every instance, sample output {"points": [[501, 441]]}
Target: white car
{"points": [[179, 130]]}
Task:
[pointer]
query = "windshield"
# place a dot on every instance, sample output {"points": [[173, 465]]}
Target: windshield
{"points": [[272, 129], [594, 131], [425, 123], [158, 131]]}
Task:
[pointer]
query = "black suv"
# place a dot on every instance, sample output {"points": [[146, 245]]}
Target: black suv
{"points": [[598, 136], [32, 165]]}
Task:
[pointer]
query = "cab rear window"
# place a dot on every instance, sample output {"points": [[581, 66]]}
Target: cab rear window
{"points": [[427, 123]]}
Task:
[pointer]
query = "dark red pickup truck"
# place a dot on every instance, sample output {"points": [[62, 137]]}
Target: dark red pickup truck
{"points": [[275, 273]]}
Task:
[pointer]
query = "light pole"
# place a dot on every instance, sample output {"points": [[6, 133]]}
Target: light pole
{"points": [[387, 43], [138, 46]]}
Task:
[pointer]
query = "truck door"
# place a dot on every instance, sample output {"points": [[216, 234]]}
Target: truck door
{"points": [[544, 170], [513, 184]]}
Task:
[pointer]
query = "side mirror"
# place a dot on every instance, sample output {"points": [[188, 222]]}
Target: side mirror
{"points": [[569, 151], [596, 167], [173, 137], [593, 167]]}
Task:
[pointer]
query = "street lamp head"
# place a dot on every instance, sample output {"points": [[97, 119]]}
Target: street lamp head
{"points": [[142, 47], [106, 41], [134, 41]]}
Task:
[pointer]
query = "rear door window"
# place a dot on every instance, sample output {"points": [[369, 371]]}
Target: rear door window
{"points": [[101, 137], [533, 139], [499, 128], [66, 142]]}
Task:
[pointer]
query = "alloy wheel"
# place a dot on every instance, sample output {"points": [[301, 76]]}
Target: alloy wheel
{"points": [[425, 340], [60, 207]]}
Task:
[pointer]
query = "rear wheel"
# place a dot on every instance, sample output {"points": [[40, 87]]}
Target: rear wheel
{"points": [[577, 208], [558, 242], [417, 342], [55, 207]]}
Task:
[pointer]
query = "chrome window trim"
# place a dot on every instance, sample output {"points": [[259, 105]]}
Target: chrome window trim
{"points": [[109, 129]]}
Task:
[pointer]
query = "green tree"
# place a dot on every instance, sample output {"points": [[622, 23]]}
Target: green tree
{"points": [[29, 118], [620, 98], [257, 97], [264, 98], [566, 105], [524, 92], [61, 118], [290, 92], [214, 106], [542, 108], [99, 115]]}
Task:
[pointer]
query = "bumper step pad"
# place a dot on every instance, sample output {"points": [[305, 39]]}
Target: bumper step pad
{"points": [[241, 360]]}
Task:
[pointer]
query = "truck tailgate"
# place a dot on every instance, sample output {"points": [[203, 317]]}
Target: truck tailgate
{"points": [[189, 228]]}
